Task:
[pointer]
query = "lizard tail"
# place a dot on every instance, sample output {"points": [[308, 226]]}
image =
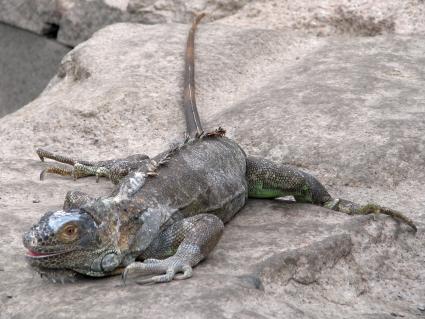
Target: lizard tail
{"points": [[193, 123], [351, 208]]}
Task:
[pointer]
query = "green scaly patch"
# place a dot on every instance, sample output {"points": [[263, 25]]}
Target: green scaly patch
{"points": [[257, 191]]}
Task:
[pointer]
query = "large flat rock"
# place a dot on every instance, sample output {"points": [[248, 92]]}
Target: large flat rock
{"points": [[349, 110], [74, 21]]}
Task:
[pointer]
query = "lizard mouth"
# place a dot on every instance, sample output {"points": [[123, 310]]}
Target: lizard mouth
{"points": [[37, 255], [46, 260]]}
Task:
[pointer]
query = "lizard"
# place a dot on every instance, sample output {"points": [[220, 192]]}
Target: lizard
{"points": [[166, 213]]}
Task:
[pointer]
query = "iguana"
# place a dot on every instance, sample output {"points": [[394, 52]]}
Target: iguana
{"points": [[166, 213]]}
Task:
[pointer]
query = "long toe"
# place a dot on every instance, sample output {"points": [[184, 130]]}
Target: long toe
{"points": [[166, 269], [167, 277], [187, 273], [142, 268]]}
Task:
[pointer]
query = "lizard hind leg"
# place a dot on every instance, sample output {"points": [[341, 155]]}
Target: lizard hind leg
{"points": [[270, 180], [112, 169], [65, 171], [187, 241], [267, 179]]}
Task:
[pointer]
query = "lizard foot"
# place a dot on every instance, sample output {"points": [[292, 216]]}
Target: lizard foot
{"points": [[79, 168], [168, 268], [111, 169], [77, 171]]}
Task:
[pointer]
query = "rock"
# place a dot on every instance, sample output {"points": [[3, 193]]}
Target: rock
{"points": [[35, 16], [73, 21], [347, 109], [366, 18], [29, 61]]}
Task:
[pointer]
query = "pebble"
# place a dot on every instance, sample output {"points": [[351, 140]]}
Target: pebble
{"points": [[421, 307]]}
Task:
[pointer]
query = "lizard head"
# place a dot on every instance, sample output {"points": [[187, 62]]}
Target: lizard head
{"points": [[66, 243]]}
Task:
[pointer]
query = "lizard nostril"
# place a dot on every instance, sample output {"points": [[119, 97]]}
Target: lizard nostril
{"points": [[33, 242]]}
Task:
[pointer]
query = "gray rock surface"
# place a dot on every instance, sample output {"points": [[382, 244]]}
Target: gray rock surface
{"points": [[349, 110], [27, 63], [356, 17], [73, 21]]}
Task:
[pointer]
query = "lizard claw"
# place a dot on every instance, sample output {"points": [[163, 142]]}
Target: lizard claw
{"points": [[40, 153], [56, 170], [42, 174], [133, 267], [187, 273], [124, 276], [168, 276], [166, 270]]}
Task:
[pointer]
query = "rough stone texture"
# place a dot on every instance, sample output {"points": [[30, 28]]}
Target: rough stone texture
{"points": [[27, 63], [350, 110], [74, 21], [329, 17]]}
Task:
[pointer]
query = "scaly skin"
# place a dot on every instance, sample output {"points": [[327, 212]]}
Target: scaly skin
{"points": [[270, 180], [113, 169], [165, 214]]}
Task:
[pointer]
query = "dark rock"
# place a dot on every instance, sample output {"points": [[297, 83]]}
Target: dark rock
{"points": [[27, 63]]}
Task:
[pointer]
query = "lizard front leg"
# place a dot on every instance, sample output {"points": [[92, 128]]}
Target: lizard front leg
{"points": [[177, 249], [112, 169], [267, 179]]}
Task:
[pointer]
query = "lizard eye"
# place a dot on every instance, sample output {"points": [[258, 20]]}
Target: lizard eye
{"points": [[69, 233]]}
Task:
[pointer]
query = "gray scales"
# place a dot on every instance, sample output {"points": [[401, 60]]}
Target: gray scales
{"points": [[166, 213]]}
